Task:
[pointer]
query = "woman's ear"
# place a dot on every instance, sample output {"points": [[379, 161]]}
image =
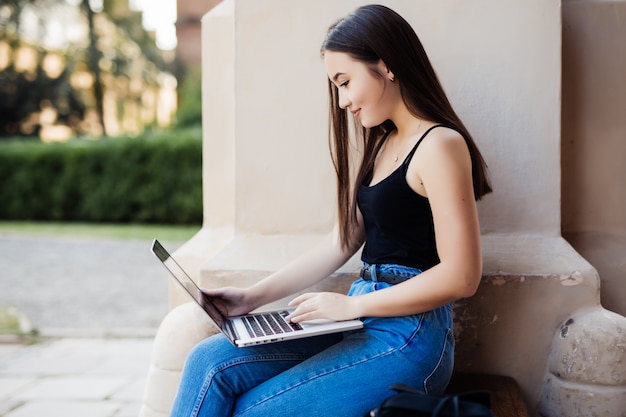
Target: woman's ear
{"points": [[385, 70]]}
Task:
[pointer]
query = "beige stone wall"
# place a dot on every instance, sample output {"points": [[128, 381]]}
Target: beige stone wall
{"points": [[594, 116], [594, 140], [502, 77]]}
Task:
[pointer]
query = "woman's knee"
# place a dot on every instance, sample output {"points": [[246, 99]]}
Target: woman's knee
{"points": [[208, 354]]}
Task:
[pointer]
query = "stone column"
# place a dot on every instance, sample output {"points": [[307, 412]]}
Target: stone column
{"points": [[268, 181]]}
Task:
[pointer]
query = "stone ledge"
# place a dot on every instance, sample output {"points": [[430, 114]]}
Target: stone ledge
{"points": [[504, 255], [605, 251], [531, 284]]}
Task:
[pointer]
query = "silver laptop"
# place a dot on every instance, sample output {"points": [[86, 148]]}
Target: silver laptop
{"points": [[254, 328]]}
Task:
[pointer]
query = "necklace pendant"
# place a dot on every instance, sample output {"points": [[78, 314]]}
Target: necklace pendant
{"points": [[395, 159]]}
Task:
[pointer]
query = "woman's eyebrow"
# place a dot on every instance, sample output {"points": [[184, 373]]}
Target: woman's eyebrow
{"points": [[337, 75]]}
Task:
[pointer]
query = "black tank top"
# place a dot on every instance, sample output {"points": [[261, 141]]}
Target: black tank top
{"points": [[399, 225]]}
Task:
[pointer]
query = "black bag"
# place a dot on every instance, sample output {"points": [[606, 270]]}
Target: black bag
{"points": [[409, 402]]}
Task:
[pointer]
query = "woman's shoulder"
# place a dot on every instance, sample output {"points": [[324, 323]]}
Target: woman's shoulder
{"points": [[444, 149], [442, 157], [440, 138]]}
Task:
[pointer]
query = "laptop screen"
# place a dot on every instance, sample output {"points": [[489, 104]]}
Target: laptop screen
{"points": [[187, 283]]}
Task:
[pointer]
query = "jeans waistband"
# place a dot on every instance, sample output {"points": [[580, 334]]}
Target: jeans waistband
{"points": [[391, 274]]}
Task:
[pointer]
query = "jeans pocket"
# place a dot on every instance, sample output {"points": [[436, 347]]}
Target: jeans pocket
{"points": [[361, 287], [439, 378]]}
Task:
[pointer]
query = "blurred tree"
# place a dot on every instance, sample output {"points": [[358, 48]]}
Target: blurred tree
{"points": [[189, 112], [25, 87], [112, 72], [93, 63], [23, 97], [129, 23]]}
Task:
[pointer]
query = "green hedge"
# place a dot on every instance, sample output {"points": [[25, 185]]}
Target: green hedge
{"points": [[149, 179]]}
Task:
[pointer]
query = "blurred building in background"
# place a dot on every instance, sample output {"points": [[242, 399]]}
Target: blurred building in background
{"points": [[188, 29]]}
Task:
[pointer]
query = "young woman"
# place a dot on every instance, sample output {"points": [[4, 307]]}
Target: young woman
{"points": [[412, 205]]}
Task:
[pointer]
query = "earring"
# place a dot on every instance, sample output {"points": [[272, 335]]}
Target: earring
{"points": [[392, 78]]}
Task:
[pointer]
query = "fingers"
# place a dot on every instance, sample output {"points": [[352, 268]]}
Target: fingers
{"points": [[298, 316], [323, 305], [301, 298], [212, 301], [217, 292], [307, 308]]}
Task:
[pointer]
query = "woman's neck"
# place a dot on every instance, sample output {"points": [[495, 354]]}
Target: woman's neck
{"points": [[408, 129], [407, 125]]}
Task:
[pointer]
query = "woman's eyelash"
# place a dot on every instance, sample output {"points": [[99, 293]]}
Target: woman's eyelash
{"points": [[343, 84]]}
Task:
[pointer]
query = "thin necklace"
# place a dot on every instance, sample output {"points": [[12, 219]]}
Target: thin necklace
{"points": [[395, 154]]}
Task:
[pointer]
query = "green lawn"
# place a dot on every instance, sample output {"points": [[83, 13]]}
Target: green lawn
{"points": [[101, 230]]}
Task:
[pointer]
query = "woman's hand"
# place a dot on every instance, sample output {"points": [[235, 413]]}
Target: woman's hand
{"points": [[231, 301], [324, 305]]}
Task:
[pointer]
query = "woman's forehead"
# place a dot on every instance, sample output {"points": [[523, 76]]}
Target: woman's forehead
{"points": [[339, 63]]}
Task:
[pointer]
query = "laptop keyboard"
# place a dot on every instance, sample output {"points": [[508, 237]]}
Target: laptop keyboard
{"points": [[269, 324]]}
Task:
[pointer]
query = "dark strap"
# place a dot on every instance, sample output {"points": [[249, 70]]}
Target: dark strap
{"points": [[407, 404], [411, 402], [410, 155]]}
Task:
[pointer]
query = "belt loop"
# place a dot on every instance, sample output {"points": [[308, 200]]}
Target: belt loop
{"points": [[374, 272]]}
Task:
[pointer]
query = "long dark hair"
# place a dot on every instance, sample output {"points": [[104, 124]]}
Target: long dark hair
{"points": [[370, 34]]}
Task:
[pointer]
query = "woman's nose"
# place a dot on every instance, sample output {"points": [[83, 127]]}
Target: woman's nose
{"points": [[344, 101]]}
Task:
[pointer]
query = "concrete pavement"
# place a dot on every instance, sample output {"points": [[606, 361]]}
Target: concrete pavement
{"points": [[73, 377], [97, 304], [79, 286]]}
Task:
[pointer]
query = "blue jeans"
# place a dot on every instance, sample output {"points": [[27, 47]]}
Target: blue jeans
{"points": [[336, 375]]}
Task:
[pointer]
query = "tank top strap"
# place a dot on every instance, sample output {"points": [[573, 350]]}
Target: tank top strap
{"points": [[410, 155]]}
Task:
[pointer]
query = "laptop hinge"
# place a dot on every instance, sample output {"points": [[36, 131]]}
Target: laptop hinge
{"points": [[232, 332]]}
